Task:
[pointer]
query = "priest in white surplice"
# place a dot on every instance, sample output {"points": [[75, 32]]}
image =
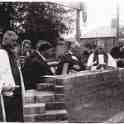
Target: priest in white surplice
{"points": [[100, 59], [10, 78]]}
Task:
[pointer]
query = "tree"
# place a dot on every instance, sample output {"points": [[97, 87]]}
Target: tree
{"points": [[35, 20], [42, 20], [7, 14]]}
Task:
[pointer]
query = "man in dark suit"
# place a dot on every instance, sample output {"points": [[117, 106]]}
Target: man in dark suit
{"points": [[117, 52], [69, 59], [36, 66]]}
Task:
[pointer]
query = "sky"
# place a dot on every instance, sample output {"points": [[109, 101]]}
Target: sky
{"points": [[100, 13]]}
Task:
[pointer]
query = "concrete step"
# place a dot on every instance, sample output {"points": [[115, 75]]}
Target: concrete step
{"points": [[55, 105], [47, 79], [38, 108], [30, 117], [44, 96], [60, 122], [45, 86], [29, 96], [59, 97], [34, 96], [58, 82], [53, 115], [59, 89], [48, 116]]}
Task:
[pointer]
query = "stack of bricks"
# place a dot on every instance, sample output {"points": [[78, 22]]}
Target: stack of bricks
{"points": [[36, 99], [35, 102], [41, 104]]}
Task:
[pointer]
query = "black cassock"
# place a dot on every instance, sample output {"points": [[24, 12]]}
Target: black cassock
{"points": [[13, 104]]}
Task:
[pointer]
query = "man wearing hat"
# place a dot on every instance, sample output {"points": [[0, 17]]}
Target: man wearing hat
{"points": [[100, 59]]}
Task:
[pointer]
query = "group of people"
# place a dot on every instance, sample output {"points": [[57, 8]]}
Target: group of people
{"points": [[100, 59], [95, 59], [35, 65], [21, 67], [11, 85]]}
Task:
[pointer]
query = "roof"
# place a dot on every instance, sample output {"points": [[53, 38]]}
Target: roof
{"points": [[100, 32]]}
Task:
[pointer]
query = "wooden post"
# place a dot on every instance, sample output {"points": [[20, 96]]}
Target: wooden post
{"points": [[117, 25], [78, 25]]}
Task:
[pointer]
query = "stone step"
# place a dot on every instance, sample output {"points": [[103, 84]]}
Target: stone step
{"points": [[48, 116], [59, 97], [53, 115], [44, 96], [58, 82], [54, 105], [45, 86], [60, 122], [47, 79], [34, 96], [29, 96], [30, 118], [38, 108], [59, 89]]}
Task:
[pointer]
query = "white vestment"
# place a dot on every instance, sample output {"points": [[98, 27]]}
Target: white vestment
{"points": [[6, 77], [111, 61]]}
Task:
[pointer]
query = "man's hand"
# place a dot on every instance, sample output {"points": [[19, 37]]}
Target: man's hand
{"points": [[8, 88]]}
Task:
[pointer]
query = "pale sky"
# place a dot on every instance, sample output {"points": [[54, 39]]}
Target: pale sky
{"points": [[100, 13]]}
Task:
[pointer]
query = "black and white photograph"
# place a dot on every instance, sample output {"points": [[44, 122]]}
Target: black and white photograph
{"points": [[62, 61]]}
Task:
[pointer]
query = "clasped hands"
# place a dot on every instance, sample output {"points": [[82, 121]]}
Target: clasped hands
{"points": [[8, 90]]}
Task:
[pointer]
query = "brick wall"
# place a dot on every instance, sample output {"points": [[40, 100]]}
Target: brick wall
{"points": [[93, 96]]}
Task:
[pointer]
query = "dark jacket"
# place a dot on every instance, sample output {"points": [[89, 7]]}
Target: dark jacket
{"points": [[34, 67], [67, 58], [117, 53]]}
